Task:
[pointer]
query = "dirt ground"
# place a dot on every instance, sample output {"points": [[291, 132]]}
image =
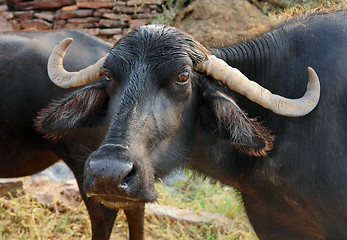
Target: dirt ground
{"points": [[222, 22]]}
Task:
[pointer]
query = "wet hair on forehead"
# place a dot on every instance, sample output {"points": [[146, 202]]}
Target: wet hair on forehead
{"points": [[163, 41]]}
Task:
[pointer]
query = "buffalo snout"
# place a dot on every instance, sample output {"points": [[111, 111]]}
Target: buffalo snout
{"points": [[111, 176]]}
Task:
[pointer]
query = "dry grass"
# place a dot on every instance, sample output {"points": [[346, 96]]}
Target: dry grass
{"points": [[292, 9], [23, 218]]}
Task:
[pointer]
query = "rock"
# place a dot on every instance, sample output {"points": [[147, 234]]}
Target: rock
{"points": [[125, 9], [70, 8], [36, 25], [55, 196], [7, 15], [154, 8], [126, 30], [156, 2], [53, 4], [10, 187], [119, 3], [59, 24], [143, 2], [81, 25], [83, 20], [12, 1], [80, 14], [110, 31], [110, 1], [59, 171], [23, 15], [97, 14], [25, 6], [114, 16], [187, 216], [94, 5], [103, 10], [93, 31], [133, 3], [137, 22], [74, 14], [40, 181], [45, 16], [117, 37], [5, 26], [3, 8], [70, 193], [141, 15], [107, 23]]}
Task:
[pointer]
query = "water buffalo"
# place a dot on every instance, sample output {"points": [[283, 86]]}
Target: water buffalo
{"points": [[24, 89], [170, 102]]}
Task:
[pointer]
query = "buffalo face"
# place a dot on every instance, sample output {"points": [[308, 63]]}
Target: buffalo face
{"points": [[152, 92], [154, 107], [148, 108]]}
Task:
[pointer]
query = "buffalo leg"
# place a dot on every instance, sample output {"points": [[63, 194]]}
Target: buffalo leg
{"points": [[102, 219], [135, 219]]}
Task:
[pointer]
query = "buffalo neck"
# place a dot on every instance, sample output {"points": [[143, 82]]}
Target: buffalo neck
{"points": [[259, 59], [274, 60], [217, 158], [258, 56], [264, 60]]}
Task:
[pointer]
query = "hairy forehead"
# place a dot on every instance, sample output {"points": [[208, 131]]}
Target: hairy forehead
{"points": [[157, 43]]}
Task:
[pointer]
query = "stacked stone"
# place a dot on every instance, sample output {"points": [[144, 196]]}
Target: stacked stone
{"points": [[107, 18], [5, 17]]}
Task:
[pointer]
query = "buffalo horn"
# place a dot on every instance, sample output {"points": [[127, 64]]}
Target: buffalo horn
{"points": [[235, 80], [62, 78]]}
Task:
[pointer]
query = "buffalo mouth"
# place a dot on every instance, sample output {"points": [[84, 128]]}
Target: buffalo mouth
{"points": [[116, 202]]}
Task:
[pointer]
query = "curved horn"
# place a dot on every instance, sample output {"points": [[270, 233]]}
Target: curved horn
{"points": [[238, 82], [62, 78]]}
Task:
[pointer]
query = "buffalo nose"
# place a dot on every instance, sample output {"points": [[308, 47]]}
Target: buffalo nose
{"points": [[116, 175]]}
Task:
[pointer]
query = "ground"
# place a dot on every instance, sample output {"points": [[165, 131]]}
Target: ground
{"points": [[222, 22]]}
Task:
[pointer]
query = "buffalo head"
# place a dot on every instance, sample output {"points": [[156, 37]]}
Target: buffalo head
{"points": [[160, 100]]}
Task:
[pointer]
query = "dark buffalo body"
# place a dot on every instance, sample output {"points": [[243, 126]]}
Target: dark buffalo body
{"points": [[297, 191], [24, 89], [164, 113]]}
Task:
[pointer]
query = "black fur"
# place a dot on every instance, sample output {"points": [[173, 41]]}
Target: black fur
{"points": [[83, 108], [293, 187], [25, 89]]}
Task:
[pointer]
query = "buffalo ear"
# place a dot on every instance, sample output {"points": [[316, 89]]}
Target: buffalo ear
{"points": [[82, 108], [223, 118]]}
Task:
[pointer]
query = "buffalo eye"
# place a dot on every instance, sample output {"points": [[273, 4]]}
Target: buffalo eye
{"points": [[183, 78], [107, 74]]}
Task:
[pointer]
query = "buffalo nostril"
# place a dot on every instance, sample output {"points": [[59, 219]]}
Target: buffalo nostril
{"points": [[88, 184], [125, 182], [123, 185]]}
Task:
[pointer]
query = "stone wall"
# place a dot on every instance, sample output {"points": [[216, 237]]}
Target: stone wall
{"points": [[105, 18]]}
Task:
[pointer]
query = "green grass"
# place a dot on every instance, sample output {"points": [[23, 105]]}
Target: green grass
{"points": [[197, 194], [169, 11]]}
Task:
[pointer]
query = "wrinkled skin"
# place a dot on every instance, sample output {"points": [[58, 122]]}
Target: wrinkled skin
{"points": [[291, 171], [24, 89]]}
